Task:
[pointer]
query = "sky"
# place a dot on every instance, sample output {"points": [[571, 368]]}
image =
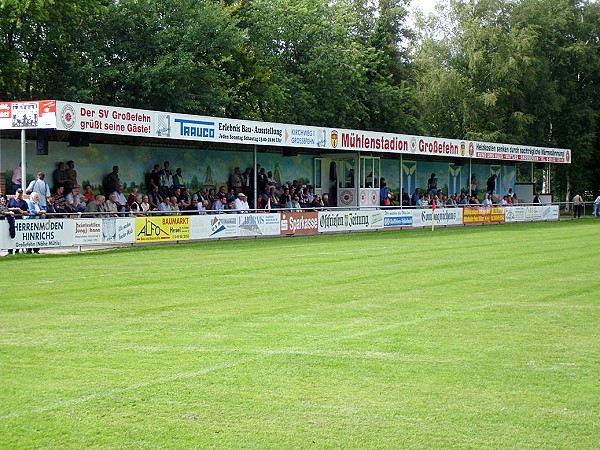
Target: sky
{"points": [[426, 6]]}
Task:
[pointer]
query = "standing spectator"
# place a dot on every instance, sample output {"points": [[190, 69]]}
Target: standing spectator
{"points": [[577, 205], [39, 186], [474, 185], [36, 211], [236, 180], [154, 178], [178, 179], [59, 176], [17, 181], [537, 199], [491, 184], [166, 179], [262, 181], [111, 181], [596, 207], [71, 176], [432, 184], [17, 205]]}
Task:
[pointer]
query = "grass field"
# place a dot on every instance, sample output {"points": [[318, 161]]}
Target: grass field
{"points": [[483, 337]]}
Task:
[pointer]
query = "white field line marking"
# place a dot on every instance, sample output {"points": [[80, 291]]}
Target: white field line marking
{"points": [[217, 367], [119, 391]]}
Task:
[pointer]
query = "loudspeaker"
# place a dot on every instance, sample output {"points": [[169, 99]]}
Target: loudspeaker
{"points": [[459, 161], [41, 146], [539, 165], [79, 140], [290, 151]]}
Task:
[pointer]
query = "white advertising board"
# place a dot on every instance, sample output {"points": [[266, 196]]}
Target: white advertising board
{"points": [[330, 221], [258, 224], [110, 230], [213, 226], [532, 213], [42, 233], [441, 217]]}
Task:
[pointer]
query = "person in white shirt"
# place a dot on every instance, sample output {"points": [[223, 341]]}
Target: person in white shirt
{"points": [[596, 207], [241, 203], [40, 186]]}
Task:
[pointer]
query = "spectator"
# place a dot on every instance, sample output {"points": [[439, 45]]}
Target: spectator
{"points": [[136, 205], [7, 214], [537, 199], [88, 194], [270, 180], [577, 205], [236, 181], [262, 180], [71, 176], [491, 184], [60, 201], [165, 205], [75, 200], [325, 200], [248, 184], [111, 181], [178, 179], [59, 176], [174, 205], [132, 197], [119, 199], [155, 198], [414, 201], [317, 202], [145, 205], [41, 187], [16, 179], [36, 211], [241, 203], [219, 204], [111, 205], [98, 205], [432, 184], [474, 185], [154, 178], [17, 205], [166, 179], [487, 200], [384, 195], [596, 207]]}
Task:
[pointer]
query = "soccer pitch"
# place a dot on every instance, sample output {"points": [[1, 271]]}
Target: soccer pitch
{"points": [[480, 337]]}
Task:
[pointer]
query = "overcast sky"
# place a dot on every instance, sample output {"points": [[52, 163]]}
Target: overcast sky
{"points": [[425, 5]]}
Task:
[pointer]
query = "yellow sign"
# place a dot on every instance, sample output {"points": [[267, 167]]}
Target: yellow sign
{"points": [[159, 229]]}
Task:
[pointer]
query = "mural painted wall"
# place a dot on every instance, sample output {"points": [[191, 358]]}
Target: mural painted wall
{"points": [[213, 167]]}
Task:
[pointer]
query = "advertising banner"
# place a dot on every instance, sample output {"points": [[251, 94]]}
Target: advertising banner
{"points": [[42, 233], [213, 227], [299, 223], [109, 230], [29, 114], [473, 216], [161, 229], [398, 218], [258, 224], [532, 213], [509, 152], [441, 217], [350, 220]]}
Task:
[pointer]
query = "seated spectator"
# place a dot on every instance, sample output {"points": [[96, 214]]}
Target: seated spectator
{"points": [[219, 205], [98, 205], [295, 204], [325, 200], [118, 198], [241, 203], [155, 198], [75, 200], [60, 201], [111, 206], [136, 206], [145, 205], [487, 200], [405, 198], [88, 195], [175, 205], [132, 197], [165, 205], [185, 198]]}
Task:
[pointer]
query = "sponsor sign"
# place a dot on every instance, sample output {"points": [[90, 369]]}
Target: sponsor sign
{"points": [[42, 233], [213, 227], [109, 230], [299, 223], [481, 215], [508, 152], [106, 119], [441, 217], [398, 218], [532, 213], [258, 224], [160, 229], [350, 220], [28, 114]]}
